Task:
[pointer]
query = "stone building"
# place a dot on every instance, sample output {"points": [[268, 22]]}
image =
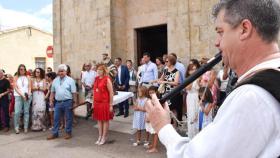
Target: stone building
{"points": [[84, 29], [24, 45]]}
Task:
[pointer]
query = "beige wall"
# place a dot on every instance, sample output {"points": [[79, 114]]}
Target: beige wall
{"points": [[82, 32], [18, 47], [128, 15], [143, 13], [84, 29], [118, 29]]}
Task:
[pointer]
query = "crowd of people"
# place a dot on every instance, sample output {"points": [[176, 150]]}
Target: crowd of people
{"points": [[39, 101], [247, 124]]}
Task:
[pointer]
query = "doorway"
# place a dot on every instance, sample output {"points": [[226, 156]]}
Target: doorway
{"points": [[152, 40]]}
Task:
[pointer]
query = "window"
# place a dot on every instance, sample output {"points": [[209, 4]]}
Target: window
{"points": [[40, 62]]}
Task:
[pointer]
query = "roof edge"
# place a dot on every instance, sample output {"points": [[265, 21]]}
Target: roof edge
{"points": [[24, 27]]}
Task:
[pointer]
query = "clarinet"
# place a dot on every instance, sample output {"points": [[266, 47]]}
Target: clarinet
{"points": [[204, 68]]}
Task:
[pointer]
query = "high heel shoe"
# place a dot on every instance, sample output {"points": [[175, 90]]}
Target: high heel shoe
{"points": [[102, 141], [98, 141]]}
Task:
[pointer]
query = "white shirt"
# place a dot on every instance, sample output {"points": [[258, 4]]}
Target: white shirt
{"points": [[88, 77], [119, 74], [22, 84], [223, 82], [181, 68], [149, 72], [247, 125], [139, 73]]}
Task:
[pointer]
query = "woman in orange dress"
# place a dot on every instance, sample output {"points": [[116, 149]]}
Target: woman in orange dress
{"points": [[103, 102]]}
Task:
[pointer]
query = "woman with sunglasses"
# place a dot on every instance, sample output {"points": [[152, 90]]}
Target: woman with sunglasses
{"points": [[22, 93], [38, 103], [170, 79]]}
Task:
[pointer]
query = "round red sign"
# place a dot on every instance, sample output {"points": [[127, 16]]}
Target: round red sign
{"points": [[49, 51]]}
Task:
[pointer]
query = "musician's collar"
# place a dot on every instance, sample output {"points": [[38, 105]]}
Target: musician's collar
{"points": [[269, 64]]}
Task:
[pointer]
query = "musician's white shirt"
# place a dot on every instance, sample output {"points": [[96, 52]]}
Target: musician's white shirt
{"points": [[247, 125]]}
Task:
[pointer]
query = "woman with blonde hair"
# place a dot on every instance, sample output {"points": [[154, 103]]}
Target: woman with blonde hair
{"points": [[103, 102]]}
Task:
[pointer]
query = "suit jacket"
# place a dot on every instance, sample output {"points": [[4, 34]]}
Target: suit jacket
{"points": [[124, 77]]}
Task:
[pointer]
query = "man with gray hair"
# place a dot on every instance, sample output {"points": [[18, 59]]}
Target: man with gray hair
{"points": [[247, 123], [63, 96]]}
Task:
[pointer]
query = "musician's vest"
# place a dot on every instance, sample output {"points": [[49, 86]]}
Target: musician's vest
{"points": [[267, 79]]}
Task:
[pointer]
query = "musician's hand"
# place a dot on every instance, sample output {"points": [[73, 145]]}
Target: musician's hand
{"points": [[157, 115]]}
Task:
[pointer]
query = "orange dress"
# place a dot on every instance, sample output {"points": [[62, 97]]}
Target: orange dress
{"points": [[101, 109]]}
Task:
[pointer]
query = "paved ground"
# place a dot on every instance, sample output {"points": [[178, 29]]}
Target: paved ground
{"points": [[35, 145]]}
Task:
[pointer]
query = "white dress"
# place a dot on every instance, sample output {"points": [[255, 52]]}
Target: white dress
{"points": [[139, 116], [192, 109], [38, 107]]}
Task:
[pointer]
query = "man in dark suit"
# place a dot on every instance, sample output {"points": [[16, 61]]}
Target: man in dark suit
{"points": [[122, 81]]}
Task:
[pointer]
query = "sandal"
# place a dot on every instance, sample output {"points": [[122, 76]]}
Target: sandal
{"points": [[136, 143]]}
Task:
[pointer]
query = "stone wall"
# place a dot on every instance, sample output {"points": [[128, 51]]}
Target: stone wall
{"points": [[178, 29], [202, 32], [82, 32], [118, 29], [143, 13]]}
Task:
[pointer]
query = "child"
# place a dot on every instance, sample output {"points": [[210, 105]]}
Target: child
{"points": [[205, 107], [192, 103], [139, 113], [153, 147]]}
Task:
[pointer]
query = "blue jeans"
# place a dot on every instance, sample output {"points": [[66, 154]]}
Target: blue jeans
{"points": [[59, 109], [19, 105]]}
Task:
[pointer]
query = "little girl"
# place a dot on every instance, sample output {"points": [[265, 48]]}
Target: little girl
{"points": [[153, 147], [192, 103], [139, 113], [205, 107]]}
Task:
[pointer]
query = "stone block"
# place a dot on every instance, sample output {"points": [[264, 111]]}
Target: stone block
{"points": [[195, 5]]}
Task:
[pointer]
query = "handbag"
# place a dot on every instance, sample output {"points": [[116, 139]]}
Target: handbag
{"points": [[161, 88]]}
